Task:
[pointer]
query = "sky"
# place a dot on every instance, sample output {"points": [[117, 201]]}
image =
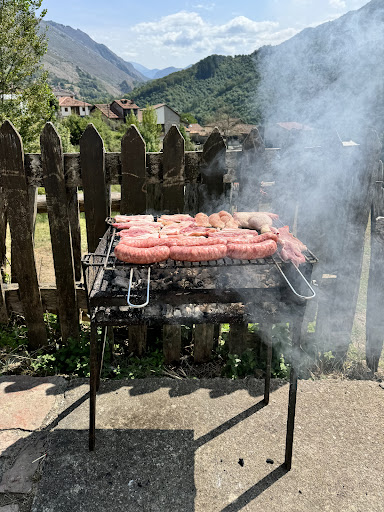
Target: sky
{"points": [[158, 34]]}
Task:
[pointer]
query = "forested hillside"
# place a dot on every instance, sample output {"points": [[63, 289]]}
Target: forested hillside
{"points": [[205, 88], [330, 75]]}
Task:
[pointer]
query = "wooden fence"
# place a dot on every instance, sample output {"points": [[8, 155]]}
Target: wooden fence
{"points": [[177, 181]]}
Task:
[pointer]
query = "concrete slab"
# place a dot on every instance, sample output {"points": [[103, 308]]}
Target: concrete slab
{"points": [[19, 477], [25, 401], [8, 439], [211, 446], [10, 508]]}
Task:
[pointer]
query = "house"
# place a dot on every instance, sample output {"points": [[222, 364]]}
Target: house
{"points": [[166, 116], [69, 105], [122, 108]]}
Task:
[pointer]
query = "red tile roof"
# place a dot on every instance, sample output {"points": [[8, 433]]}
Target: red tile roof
{"points": [[106, 110], [72, 102], [126, 104]]}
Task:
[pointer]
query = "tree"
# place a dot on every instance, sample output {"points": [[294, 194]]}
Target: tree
{"points": [[150, 130], [25, 97]]}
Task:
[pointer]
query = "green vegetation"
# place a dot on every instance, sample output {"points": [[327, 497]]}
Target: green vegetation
{"points": [[25, 97], [205, 87]]}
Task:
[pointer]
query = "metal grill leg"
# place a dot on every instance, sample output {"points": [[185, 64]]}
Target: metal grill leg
{"points": [[94, 372], [296, 334], [267, 385], [100, 355]]}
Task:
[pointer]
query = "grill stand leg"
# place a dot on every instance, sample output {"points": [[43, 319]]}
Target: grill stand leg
{"points": [[100, 355], [296, 335], [267, 385], [94, 377]]}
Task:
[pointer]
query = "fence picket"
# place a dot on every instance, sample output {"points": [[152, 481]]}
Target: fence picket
{"points": [[16, 194], [203, 342], [173, 171], [253, 151], [92, 159], [54, 181], [133, 173], [171, 343], [3, 227], [212, 172], [74, 223]]}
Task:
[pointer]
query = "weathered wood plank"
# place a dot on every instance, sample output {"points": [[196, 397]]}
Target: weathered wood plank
{"points": [[375, 295], [133, 173], [48, 298], [249, 177], [16, 194], [212, 172], [171, 343], [237, 341], [95, 191], [137, 339], [173, 171], [203, 342], [3, 307], [357, 204], [53, 173], [74, 223], [3, 227]]}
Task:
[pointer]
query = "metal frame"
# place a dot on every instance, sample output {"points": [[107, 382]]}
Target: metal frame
{"points": [[97, 351]]}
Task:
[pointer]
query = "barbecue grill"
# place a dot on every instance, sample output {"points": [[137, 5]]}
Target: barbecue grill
{"points": [[264, 290]]}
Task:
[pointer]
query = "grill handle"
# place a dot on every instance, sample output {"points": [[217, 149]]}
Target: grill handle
{"points": [[129, 290], [304, 297]]}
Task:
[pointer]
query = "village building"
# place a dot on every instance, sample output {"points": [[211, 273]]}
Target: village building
{"points": [[70, 105], [106, 111], [166, 116]]}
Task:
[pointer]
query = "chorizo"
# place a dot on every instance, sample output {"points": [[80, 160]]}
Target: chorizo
{"points": [[141, 255], [251, 251], [198, 253]]}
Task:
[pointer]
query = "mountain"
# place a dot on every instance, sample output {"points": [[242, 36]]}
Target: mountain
{"points": [[154, 73], [330, 74], [92, 70]]}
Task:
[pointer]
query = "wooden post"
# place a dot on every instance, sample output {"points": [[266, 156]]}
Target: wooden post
{"points": [[137, 339], [133, 201], [171, 343], [203, 342], [375, 295], [54, 182], [173, 171], [237, 338], [3, 227], [249, 173], [133, 173], [213, 169], [74, 223], [92, 159], [16, 194]]}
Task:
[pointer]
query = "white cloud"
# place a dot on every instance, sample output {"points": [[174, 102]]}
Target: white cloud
{"points": [[205, 7], [338, 4], [188, 33]]}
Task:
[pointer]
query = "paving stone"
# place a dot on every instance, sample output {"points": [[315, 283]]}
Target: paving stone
{"points": [[9, 439], [19, 478], [25, 401], [10, 508]]}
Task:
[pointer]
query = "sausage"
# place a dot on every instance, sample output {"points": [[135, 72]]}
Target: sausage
{"points": [[201, 253], [251, 251], [144, 242], [197, 241], [138, 255], [252, 239]]}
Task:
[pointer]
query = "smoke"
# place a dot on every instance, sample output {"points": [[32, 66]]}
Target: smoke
{"points": [[330, 81]]}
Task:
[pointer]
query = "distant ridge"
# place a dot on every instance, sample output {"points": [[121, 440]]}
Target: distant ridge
{"points": [[92, 70]]}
